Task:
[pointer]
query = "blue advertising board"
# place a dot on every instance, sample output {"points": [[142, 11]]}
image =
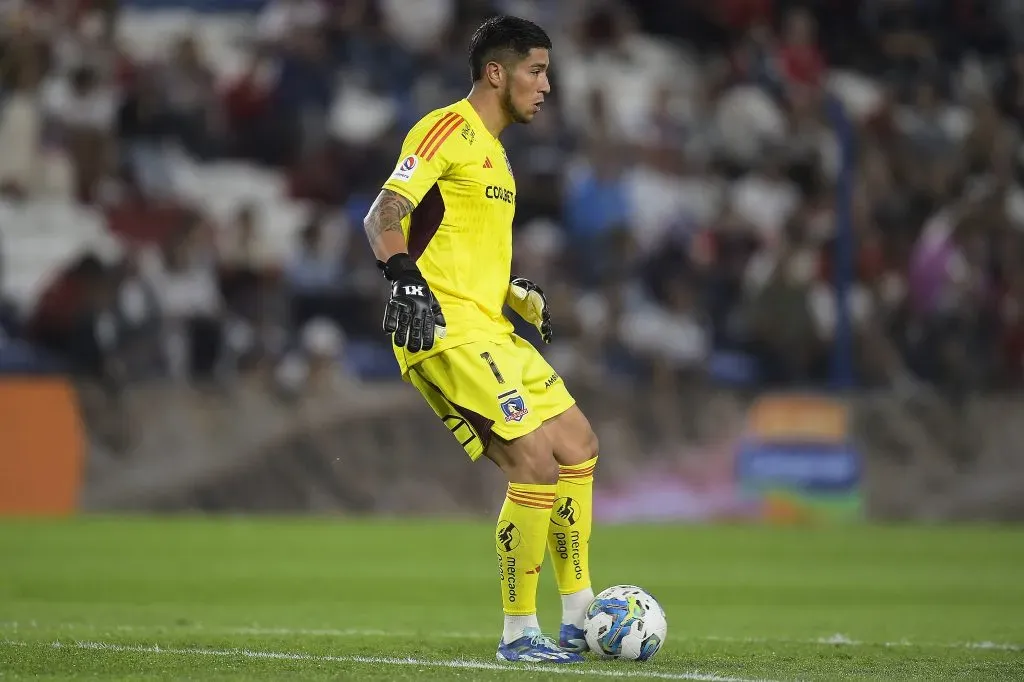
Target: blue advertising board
{"points": [[796, 457]]}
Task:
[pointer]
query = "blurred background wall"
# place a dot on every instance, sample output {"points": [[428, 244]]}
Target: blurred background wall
{"points": [[829, 195]]}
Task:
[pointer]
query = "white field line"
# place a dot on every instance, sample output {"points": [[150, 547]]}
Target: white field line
{"points": [[833, 640], [842, 640], [455, 663], [256, 631]]}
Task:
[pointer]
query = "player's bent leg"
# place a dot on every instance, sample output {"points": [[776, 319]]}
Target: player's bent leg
{"points": [[527, 459], [575, 448], [520, 539], [573, 440], [477, 389]]}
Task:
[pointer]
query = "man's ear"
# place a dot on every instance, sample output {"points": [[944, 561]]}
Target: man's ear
{"points": [[494, 73]]}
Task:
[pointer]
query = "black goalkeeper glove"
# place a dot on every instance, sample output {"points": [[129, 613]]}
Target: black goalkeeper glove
{"points": [[413, 316], [529, 302]]}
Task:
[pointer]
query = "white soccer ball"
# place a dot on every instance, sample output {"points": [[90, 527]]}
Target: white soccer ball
{"points": [[625, 622]]}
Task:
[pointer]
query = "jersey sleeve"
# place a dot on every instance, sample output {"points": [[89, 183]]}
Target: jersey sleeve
{"points": [[426, 155]]}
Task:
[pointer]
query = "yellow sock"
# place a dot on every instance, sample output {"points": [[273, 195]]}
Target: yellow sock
{"points": [[572, 517], [519, 537]]}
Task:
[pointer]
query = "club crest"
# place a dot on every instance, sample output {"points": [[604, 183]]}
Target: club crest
{"points": [[513, 406]]}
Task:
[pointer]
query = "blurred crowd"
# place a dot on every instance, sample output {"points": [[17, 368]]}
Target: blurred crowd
{"points": [[714, 178]]}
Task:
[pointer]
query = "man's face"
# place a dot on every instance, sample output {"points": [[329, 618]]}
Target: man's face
{"points": [[526, 85]]}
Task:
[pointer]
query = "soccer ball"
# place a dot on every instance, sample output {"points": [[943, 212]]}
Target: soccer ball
{"points": [[625, 622]]}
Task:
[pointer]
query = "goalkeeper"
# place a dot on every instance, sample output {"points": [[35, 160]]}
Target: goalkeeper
{"points": [[441, 230]]}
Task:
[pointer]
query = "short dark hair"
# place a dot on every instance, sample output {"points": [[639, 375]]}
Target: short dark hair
{"points": [[502, 37]]}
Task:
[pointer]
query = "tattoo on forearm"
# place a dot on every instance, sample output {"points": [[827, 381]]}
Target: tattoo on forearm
{"points": [[386, 214]]}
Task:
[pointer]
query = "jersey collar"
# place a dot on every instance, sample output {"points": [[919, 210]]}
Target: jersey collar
{"points": [[469, 113]]}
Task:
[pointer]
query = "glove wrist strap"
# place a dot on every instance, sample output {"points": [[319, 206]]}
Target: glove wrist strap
{"points": [[398, 265]]}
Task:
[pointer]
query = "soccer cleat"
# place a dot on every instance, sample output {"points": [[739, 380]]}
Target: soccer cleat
{"points": [[534, 647], [571, 638]]}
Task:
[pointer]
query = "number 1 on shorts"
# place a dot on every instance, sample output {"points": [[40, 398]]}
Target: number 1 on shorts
{"points": [[494, 368]]}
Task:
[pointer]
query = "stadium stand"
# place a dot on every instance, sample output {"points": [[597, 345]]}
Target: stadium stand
{"points": [[183, 184]]}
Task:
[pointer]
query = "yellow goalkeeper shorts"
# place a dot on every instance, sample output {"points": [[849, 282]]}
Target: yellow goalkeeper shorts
{"points": [[500, 388]]}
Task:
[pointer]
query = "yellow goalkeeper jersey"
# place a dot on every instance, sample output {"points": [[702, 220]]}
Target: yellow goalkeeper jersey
{"points": [[458, 177]]}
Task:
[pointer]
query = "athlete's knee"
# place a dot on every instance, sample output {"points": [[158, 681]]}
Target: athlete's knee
{"points": [[528, 459], [539, 470], [590, 446], [574, 439], [583, 448]]}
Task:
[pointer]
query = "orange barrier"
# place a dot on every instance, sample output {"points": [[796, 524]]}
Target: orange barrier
{"points": [[797, 418], [42, 447]]}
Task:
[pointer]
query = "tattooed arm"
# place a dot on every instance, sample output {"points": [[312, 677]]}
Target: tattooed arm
{"points": [[383, 224], [413, 316]]}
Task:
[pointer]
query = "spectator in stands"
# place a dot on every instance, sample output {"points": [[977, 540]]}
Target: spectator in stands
{"points": [[9, 323], [82, 110], [779, 319], [801, 63], [596, 204], [244, 259], [1011, 311], [304, 90], [279, 20], [191, 304], [313, 366], [145, 126], [136, 314], [314, 275], [1011, 87], [949, 289], [74, 321], [765, 199], [365, 49], [20, 120], [252, 131], [906, 42], [193, 108], [419, 28], [249, 278], [669, 330]]}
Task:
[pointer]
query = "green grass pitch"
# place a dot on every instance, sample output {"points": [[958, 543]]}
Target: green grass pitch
{"points": [[333, 599]]}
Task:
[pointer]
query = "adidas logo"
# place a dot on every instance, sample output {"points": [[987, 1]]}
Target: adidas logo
{"points": [[487, 162]]}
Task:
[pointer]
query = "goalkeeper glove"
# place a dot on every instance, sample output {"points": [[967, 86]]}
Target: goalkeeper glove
{"points": [[528, 301], [413, 316]]}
